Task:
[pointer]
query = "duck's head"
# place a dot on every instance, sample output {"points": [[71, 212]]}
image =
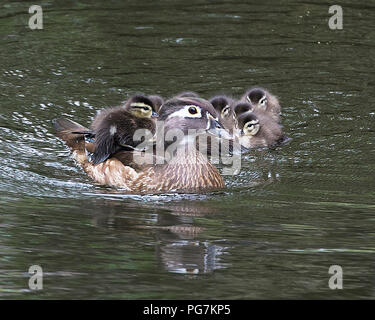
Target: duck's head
{"points": [[257, 97], [192, 114], [157, 101], [187, 94], [141, 106], [222, 105], [248, 124], [241, 107]]}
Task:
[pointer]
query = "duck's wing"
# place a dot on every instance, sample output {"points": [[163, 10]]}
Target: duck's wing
{"points": [[72, 133], [106, 146], [111, 172]]}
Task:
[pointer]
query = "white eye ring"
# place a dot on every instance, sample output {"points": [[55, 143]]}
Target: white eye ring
{"points": [[252, 127], [252, 122], [184, 112], [263, 101]]}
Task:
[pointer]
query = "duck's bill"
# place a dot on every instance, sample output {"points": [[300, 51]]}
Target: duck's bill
{"points": [[216, 129], [154, 114]]}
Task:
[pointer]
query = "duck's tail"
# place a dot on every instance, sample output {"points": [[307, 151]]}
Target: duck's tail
{"points": [[110, 172], [71, 132]]}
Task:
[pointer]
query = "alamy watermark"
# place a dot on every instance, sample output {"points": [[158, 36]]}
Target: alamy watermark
{"points": [[36, 279], [336, 21], [36, 20], [175, 146], [335, 281]]}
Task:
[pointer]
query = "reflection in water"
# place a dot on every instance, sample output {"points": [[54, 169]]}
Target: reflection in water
{"points": [[190, 257], [178, 248], [288, 215], [180, 245]]}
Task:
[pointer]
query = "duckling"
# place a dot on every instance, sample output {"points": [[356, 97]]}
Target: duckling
{"points": [[223, 106], [113, 129], [157, 101], [242, 107], [258, 130], [271, 131], [262, 100], [187, 171], [138, 105]]}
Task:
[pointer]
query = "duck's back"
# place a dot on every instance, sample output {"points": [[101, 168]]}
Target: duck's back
{"points": [[190, 172]]}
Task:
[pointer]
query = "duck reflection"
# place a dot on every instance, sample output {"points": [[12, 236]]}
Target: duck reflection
{"points": [[180, 243], [190, 257], [180, 249]]}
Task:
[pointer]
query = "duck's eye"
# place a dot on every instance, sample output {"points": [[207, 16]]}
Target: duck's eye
{"points": [[193, 110], [252, 127], [146, 108], [263, 101]]}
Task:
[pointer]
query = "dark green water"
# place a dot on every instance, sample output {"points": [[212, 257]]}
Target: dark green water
{"points": [[280, 224]]}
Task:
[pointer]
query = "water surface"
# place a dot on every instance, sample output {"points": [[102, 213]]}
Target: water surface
{"points": [[279, 225]]}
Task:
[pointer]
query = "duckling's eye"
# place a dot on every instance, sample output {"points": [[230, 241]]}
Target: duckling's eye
{"points": [[225, 111], [193, 110], [263, 101], [251, 127], [140, 106]]}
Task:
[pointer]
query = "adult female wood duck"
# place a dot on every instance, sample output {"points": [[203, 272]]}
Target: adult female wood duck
{"points": [[187, 171], [256, 128], [262, 100], [113, 129], [187, 94]]}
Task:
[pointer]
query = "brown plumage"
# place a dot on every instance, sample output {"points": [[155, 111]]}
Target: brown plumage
{"points": [[113, 129], [187, 171], [138, 99], [262, 100]]}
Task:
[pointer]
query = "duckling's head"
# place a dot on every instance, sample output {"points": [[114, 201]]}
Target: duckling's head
{"points": [[141, 106], [191, 113], [257, 97], [248, 124], [222, 105], [241, 107], [157, 101]]}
